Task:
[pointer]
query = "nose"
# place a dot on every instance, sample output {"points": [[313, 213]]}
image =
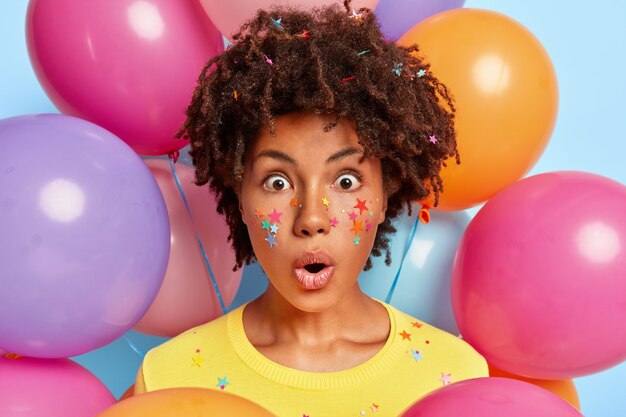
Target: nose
{"points": [[312, 218]]}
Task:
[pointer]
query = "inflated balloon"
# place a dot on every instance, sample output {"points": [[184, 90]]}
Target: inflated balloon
{"points": [[31, 387], [228, 16], [506, 96], [423, 286], [564, 388], [188, 297], [129, 66], [491, 397], [175, 402], [398, 16], [128, 393], [85, 236], [539, 280]]}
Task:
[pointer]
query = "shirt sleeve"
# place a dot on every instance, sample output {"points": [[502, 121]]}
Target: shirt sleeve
{"points": [[140, 385]]}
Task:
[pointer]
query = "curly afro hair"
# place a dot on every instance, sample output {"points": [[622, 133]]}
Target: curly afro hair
{"points": [[328, 61]]}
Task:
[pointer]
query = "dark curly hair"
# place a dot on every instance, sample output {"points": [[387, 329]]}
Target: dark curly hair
{"points": [[331, 61]]}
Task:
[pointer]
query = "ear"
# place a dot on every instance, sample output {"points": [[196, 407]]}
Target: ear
{"points": [[383, 209]]}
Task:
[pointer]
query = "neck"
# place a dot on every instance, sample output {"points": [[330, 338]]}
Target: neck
{"points": [[276, 320]]}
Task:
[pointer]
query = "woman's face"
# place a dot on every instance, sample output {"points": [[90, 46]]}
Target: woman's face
{"points": [[312, 206]]}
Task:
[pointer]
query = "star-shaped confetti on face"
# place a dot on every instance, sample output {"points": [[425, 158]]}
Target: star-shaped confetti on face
{"points": [[352, 215], [265, 224], [405, 335], [375, 408], [416, 324], [271, 240], [421, 73], [274, 228], [416, 355], [275, 216], [325, 201], [334, 222], [361, 206], [358, 226], [293, 202], [222, 382], [259, 213], [368, 226], [446, 378], [432, 139], [357, 240]]}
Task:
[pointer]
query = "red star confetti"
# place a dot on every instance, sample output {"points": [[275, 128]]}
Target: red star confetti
{"points": [[405, 335], [293, 202], [305, 34], [416, 324], [334, 222], [361, 206], [446, 378], [275, 216], [345, 80]]}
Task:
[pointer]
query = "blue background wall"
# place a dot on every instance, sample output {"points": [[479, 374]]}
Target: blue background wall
{"points": [[586, 42]]}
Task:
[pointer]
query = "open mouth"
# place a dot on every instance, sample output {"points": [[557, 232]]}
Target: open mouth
{"points": [[314, 268]]}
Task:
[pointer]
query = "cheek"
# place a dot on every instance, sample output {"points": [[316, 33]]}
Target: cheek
{"points": [[356, 218], [265, 225]]}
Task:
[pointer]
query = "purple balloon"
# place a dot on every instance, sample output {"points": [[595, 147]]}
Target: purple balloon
{"points": [[398, 16], [85, 236]]}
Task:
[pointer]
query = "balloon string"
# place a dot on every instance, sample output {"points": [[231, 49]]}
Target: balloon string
{"points": [[406, 251], [133, 347], [204, 255]]}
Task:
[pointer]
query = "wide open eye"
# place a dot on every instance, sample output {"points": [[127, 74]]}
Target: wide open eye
{"points": [[276, 182], [347, 182]]}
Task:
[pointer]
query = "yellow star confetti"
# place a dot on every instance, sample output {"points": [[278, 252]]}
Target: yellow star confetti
{"points": [[325, 201]]}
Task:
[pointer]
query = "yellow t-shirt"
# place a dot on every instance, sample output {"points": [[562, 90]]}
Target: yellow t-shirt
{"points": [[416, 359]]}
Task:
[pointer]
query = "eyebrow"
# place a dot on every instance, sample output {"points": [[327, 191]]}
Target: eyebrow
{"points": [[282, 156]]}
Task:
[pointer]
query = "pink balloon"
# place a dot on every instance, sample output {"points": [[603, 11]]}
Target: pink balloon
{"points": [[129, 66], [32, 387], [187, 297], [228, 16], [539, 280], [491, 397]]}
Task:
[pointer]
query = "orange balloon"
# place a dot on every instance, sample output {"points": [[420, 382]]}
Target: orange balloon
{"points": [[563, 388], [506, 95], [188, 402]]}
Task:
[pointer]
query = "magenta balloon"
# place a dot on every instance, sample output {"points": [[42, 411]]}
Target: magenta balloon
{"points": [[491, 397], [85, 236], [539, 280], [398, 16], [230, 15], [128, 66], [32, 387]]}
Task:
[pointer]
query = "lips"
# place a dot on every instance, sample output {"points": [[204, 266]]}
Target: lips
{"points": [[313, 270]]}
